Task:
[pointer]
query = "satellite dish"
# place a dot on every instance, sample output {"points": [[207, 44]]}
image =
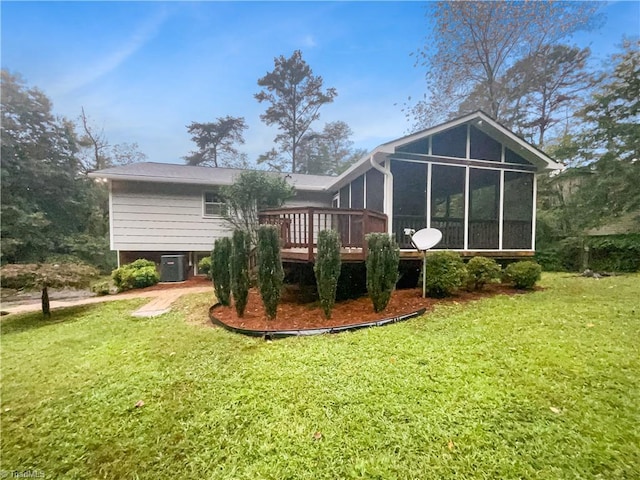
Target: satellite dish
{"points": [[423, 240], [426, 238]]}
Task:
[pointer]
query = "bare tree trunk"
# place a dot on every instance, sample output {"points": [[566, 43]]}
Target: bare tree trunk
{"points": [[46, 309]]}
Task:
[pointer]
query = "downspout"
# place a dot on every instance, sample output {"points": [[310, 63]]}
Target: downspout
{"points": [[388, 193]]}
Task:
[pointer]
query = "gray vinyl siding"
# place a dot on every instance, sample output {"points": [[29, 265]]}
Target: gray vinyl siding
{"points": [[162, 217], [309, 199]]}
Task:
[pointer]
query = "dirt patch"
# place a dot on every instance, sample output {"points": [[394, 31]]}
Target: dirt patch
{"points": [[295, 316]]}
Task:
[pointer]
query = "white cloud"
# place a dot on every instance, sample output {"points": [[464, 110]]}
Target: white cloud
{"points": [[309, 41], [92, 71]]}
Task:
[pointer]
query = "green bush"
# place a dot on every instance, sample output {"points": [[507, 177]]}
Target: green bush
{"points": [[204, 266], [446, 273], [138, 274], [101, 288], [566, 255], [19, 276], [482, 270], [31, 276], [239, 269], [614, 253], [270, 273], [327, 269], [220, 270], [383, 257], [523, 274]]}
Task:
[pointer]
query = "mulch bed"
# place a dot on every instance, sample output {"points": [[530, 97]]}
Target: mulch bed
{"points": [[295, 316]]}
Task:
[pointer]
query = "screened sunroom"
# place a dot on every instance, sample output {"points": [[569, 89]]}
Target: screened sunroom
{"points": [[471, 178]]}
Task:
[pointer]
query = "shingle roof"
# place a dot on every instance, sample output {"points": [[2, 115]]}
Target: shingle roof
{"points": [[174, 173]]}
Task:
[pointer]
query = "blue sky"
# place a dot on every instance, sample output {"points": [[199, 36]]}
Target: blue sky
{"points": [[145, 70]]}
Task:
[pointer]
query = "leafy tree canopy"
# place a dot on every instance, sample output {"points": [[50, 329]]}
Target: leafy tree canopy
{"points": [[216, 141], [251, 192], [43, 197], [329, 152], [473, 44], [602, 184]]}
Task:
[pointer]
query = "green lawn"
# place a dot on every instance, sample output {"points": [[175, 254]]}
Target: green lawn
{"points": [[544, 385]]}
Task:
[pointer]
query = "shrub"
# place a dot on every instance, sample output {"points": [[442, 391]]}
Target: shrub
{"points": [[523, 274], [32, 276], [327, 269], [138, 274], [445, 273], [239, 269], [47, 275], [482, 270], [220, 270], [204, 266], [101, 288], [383, 257], [270, 273]]}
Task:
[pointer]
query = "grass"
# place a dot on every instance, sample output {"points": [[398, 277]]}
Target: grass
{"points": [[539, 386]]}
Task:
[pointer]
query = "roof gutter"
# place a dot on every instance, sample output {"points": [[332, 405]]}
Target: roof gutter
{"points": [[388, 192]]}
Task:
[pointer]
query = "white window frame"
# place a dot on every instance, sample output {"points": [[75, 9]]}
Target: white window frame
{"points": [[222, 206]]}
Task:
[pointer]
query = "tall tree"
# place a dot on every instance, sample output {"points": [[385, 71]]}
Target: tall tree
{"points": [[216, 141], [541, 88], [473, 44], [97, 153], [43, 197], [612, 137], [295, 96], [329, 152], [602, 181]]}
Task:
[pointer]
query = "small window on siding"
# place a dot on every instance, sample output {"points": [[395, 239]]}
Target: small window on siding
{"points": [[213, 205]]}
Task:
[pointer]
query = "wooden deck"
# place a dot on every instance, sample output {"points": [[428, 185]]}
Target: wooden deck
{"points": [[299, 228], [298, 225]]}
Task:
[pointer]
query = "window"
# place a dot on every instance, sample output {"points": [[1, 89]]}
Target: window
{"points": [[214, 205], [518, 210], [484, 208], [483, 147], [357, 192], [345, 193], [450, 143], [375, 190], [513, 157], [447, 204], [409, 198]]}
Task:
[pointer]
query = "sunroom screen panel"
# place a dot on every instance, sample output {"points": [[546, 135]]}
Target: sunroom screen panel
{"points": [[447, 204], [409, 198], [484, 209], [518, 210]]}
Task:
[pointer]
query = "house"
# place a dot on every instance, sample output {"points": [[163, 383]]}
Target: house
{"points": [[471, 178]]}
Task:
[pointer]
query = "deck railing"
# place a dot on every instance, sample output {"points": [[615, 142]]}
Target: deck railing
{"points": [[299, 226], [483, 234]]}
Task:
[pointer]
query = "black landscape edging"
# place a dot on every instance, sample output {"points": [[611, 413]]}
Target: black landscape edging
{"points": [[273, 334]]}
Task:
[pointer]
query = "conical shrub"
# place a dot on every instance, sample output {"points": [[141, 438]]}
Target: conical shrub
{"points": [[220, 270], [239, 267], [270, 272], [383, 258], [327, 269]]}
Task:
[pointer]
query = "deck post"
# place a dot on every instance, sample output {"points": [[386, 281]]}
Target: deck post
{"points": [[365, 230], [310, 211]]}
